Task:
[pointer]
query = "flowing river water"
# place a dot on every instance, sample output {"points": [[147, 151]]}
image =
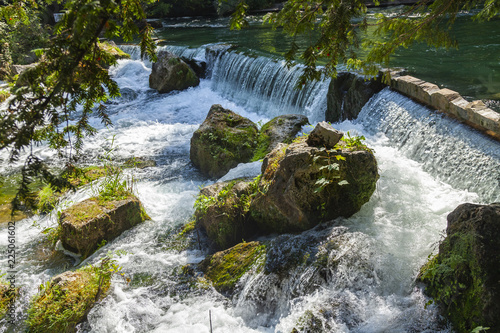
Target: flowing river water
{"points": [[428, 165]]}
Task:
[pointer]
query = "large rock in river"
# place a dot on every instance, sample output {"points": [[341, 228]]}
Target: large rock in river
{"points": [[86, 225], [223, 140], [348, 93], [305, 185], [464, 277], [300, 187], [171, 73]]}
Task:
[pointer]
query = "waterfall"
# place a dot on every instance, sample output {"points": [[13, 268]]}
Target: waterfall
{"points": [[453, 152], [267, 86]]}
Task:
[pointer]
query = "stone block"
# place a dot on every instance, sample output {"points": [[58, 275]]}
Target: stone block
{"points": [[441, 99]]}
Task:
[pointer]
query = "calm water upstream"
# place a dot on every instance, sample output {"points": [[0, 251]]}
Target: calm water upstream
{"points": [[428, 165], [473, 69]]}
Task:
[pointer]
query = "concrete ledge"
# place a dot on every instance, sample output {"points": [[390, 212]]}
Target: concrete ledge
{"points": [[474, 114]]}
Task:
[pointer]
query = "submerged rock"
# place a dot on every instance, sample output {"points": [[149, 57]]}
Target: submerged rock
{"points": [[87, 224], [225, 268], [171, 73], [223, 140], [281, 129], [139, 163], [464, 276]]}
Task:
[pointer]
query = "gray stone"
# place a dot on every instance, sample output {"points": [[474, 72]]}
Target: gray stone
{"points": [[281, 129], [171, 73], [305, 185], [348, 93], [324, 135], [464, 276], [223, 140], [85, 225]]}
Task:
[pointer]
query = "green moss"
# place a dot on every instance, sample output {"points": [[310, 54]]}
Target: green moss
{"points": [[79, 214], [59, 307], [262, 149], [113, 50], [225, 268], [455, 280], [173, 61], [180, 239]]}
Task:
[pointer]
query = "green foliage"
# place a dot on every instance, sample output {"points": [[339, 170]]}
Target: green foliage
{"points": [[340, 32], [329, 168], [47, 199], [70, 75], [21, 37], [59, 307], [355, 142], [4, 95]]}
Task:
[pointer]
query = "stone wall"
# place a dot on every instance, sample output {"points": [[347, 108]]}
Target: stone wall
{"points": [[474, 114]]}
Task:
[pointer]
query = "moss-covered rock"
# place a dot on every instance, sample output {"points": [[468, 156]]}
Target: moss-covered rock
{"points": [[464, 276], [87, 224], [171, 73], [223, 140], [306, 185], [66, 300], [225, 268], [281, 129], [222, 210], [112, 49], [139, 163]]}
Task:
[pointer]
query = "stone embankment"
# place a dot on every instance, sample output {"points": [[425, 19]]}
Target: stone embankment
{"points": [[349, 92], [474, 113]]}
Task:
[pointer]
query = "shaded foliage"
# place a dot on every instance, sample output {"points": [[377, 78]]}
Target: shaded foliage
{"points": [[54, 100]]}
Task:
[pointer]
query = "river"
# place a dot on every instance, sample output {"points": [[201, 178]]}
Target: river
{"points": [[428, 165]]}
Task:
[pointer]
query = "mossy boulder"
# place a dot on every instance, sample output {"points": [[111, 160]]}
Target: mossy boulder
{"points": [[300, 187], [463, 278], [86, 225], [112, 49], [223, 140], [66, 300], [306, 185], [221, 210], [171, 73], [225, 268], [281, 129]]}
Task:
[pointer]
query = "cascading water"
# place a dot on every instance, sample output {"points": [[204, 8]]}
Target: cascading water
{"points": [[456, 154], [370, 260]]}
